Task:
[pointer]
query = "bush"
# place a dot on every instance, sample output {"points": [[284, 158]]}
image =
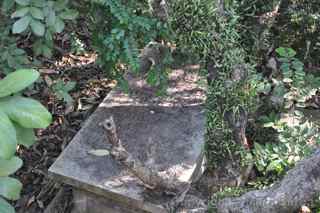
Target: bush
{"points": [[18, 117]]}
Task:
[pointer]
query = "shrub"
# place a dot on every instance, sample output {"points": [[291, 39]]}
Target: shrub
{"points": [[289, 89], [120, 29], [18, 117], [42, 18]]}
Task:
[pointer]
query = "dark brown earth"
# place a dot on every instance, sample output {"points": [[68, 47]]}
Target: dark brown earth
{"points": [[91, 88]]}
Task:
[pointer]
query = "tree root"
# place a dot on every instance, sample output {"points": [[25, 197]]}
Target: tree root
{"points": [[297, 188]]}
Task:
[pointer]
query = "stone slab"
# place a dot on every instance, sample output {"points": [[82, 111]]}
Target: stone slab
{"points": [[167, 133], [87, 202]]}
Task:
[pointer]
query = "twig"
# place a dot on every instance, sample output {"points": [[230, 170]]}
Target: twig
{"points": [[150, 177]]}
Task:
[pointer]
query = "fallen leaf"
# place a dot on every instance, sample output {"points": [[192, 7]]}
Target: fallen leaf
{"points": [[99, 152]]}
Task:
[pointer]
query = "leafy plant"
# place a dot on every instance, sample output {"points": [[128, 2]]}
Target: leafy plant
{"points": [[291, 67], [77, 46], [295, 86], [18, 117], [291, 88], [43, 18], [11, 57], [120, 30], [62, 90], [295, 143]]}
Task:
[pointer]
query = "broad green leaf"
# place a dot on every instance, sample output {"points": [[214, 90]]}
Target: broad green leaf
{"points": [[20, 13], [10, 188], [51, 18], [37, 28], [46, 51], [286, 52], [69, 14], [60, 5], [8, 138], [64, 96], [23, 2], [36, 13], [39, 3], [59, 25], [17, 81], [21, 25], [5, 207], [275, 165], [70, 86], [27, 112], [152, 77], [7, 5], [25, 136], [19, 51], [8, 167]]}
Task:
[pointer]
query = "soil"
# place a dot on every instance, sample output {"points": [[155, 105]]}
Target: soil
{"points": [[91, 88]]}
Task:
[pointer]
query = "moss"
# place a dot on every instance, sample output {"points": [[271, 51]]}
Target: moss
{"points": [[226, 192]]}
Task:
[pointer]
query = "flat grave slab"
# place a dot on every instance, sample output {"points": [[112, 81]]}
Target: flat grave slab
{"points": [[166, 133]]}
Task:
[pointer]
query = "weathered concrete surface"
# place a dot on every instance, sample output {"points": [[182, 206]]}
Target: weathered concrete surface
{"points": [[166, 133], [85, 202]]}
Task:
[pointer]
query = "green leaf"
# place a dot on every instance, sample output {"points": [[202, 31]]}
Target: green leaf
{"points": [[21, 25], [69, 86], [51, 18], [5, 207], [20, 13], [8, 138], [69, 14], [17, 81], [38, 3], [23, 2], [46, 51], [152, 77], [8, 167], [7, 5], [36, 13], [286, 52], [37, 28], [59, 25], [26, 112], [275, 165], [25, 136], [60, 5], [67, 98], [10, 188]]}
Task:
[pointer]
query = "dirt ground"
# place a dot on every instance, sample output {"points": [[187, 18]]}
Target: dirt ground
{"points": [[91, 88]]}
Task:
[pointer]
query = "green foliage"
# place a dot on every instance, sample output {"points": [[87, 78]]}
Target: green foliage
{"points": [[315, 205], [77, 46], [11, 57], [294, 85], [226, 192], [120, 30], [5, 207], [18, 115], [298, 26], [62, 90], [295, 140], [194, 25], [43, 18], [295, 143]]}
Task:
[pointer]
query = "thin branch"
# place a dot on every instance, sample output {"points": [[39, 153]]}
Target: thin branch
{"points": [[150, 177]]}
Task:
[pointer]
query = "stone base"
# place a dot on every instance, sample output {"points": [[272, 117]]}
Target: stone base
{"points": [[166, 133], [87, 202]]}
